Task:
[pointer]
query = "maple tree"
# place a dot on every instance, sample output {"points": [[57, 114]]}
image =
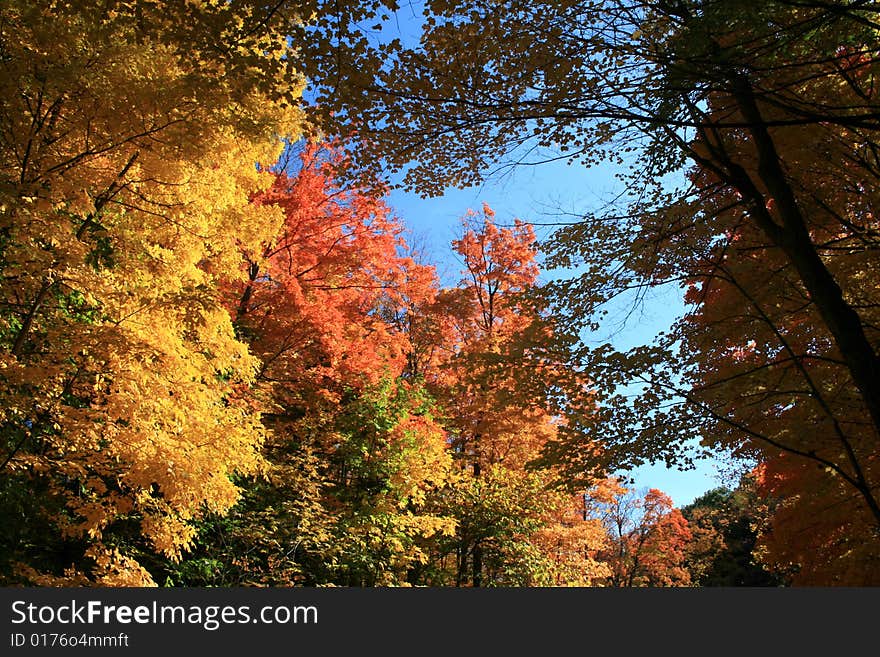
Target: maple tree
{"points": [[315, 308], [362, 486], [649, 539], [770, 345], [767, 363], [513, 529], [504, 379], [319, 292], [127, 158]]}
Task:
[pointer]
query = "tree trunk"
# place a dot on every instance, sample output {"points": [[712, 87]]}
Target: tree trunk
{"points": [[793, 238]]}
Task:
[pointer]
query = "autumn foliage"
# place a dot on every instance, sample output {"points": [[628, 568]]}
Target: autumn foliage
{"points": [[222, 363], [122, 194]]}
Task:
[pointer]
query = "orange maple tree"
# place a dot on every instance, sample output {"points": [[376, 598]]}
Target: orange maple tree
{"points": [[492, 363], [648, 540]]}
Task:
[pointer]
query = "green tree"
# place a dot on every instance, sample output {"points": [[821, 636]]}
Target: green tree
{"points": [[725, 525]]}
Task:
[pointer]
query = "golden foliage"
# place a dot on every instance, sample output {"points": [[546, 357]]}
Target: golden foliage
{"points": [[127, 161]]}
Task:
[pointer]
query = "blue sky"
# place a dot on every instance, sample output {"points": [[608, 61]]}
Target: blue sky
{"points": [[540, 194]]}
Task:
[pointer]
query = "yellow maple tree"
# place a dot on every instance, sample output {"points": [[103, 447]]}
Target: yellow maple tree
{"points": [[129, 136]]}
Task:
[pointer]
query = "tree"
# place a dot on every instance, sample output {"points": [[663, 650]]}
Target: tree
{"points": [[502, 375], [648, 540], [725, 525], [517, 529], [488, 318], [129, 134], [359, 486], [767, 364], [318, 295], [392, 455]]}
